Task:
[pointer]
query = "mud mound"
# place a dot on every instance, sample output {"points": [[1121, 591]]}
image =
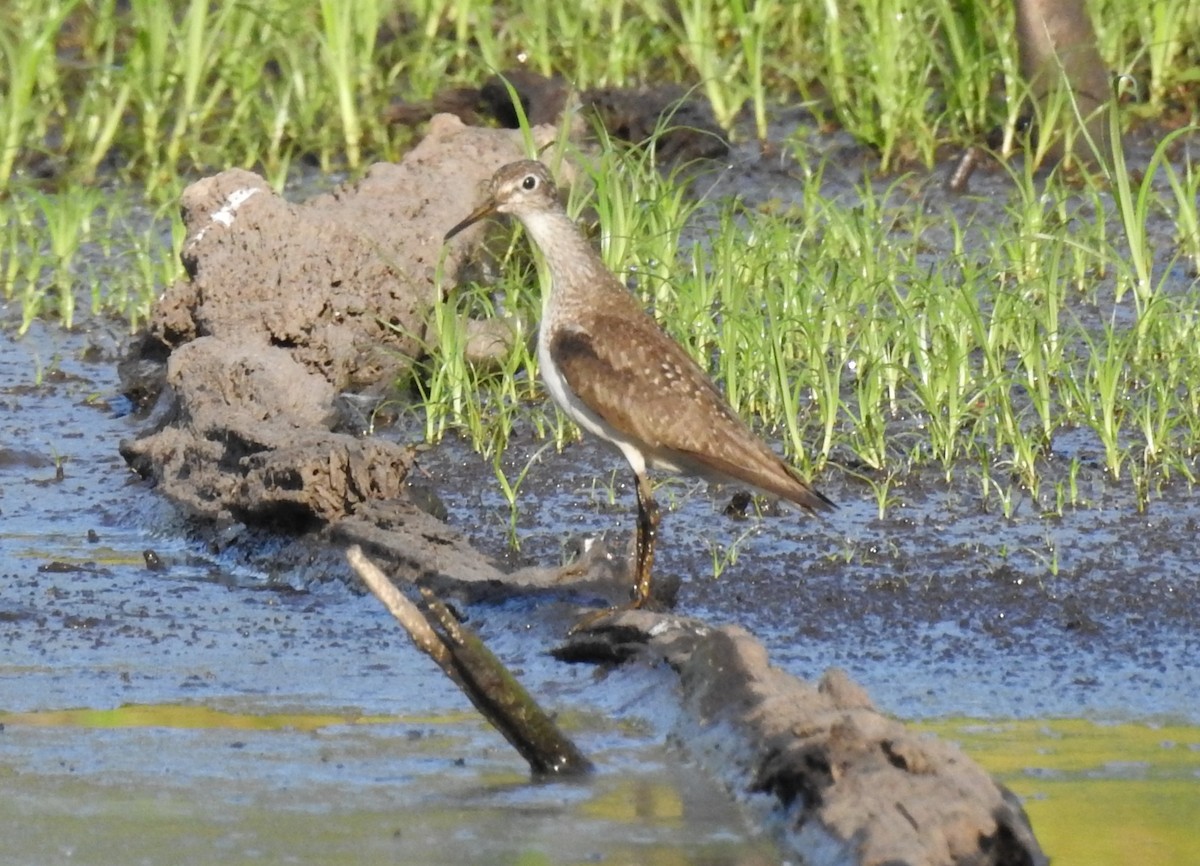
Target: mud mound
{"points": [[284, 308]]}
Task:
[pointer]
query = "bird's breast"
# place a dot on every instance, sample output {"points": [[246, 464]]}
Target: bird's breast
{"points": [[560, 391]]}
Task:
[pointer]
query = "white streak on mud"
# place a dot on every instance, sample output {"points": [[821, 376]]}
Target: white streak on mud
{"points": [[228, 210]]}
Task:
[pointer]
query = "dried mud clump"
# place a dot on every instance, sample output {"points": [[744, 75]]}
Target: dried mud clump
{"points": [[285, 308]]}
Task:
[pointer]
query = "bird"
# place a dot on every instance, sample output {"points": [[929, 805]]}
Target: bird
{"points": [[618, 375]]}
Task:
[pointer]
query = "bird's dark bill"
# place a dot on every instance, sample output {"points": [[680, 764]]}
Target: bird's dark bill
{"points": [[484, 210]]}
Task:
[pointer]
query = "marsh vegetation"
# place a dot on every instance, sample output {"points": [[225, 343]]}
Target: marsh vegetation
{"points": [[864, 321]]}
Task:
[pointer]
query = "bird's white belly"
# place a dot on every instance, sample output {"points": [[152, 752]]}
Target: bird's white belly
{"points": [[578, 411]]}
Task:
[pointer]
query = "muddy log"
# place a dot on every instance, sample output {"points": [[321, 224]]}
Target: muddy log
{"points": [[681, 124], [837, 781]]}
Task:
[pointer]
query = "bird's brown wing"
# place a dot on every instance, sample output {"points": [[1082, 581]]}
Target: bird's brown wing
{"points": [[644, 385]]}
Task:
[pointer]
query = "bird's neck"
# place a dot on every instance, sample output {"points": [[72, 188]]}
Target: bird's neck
{"points": [[574, 266]]}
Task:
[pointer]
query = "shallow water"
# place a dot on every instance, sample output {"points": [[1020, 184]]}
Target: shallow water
{"points": [[1096, 792], [939, 609], [204, 710], [170, 784]]}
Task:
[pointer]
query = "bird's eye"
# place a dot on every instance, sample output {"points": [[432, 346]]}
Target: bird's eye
{"points": [[529, 183]]}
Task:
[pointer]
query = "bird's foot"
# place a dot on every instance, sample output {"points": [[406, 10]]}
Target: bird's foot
{"points": [[591, 620]]}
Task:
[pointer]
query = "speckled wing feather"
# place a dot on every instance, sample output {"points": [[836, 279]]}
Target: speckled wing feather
{"points": [[644, 385]]}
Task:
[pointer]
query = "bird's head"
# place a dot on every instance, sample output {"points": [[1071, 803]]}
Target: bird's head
{"points": [[519, 188]]}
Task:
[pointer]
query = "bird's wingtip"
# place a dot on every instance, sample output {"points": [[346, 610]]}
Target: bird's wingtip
{"points": [[821, 502]]}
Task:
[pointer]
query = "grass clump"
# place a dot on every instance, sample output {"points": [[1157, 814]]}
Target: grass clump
{"points": [[153, 90], [874, 331]]}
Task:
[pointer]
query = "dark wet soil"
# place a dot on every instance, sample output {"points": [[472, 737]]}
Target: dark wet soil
{"points": [[938, 609]]}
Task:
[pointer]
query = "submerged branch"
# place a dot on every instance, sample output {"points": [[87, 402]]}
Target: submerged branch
{"points": [[481, 676]]}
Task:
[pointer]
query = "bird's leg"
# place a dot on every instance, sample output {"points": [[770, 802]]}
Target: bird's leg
{"points": [[647, 533]]}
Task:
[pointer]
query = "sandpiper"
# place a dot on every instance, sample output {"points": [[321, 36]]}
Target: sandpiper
{"points": [[618, 375]]}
